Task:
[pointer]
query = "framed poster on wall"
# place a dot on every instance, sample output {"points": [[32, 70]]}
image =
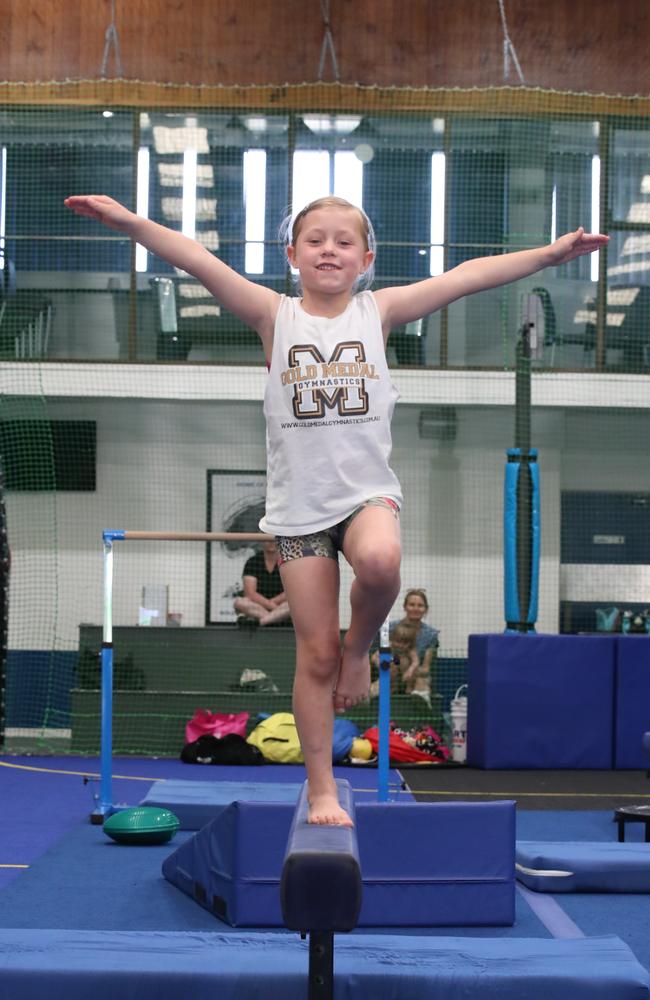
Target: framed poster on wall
{"points": [[235, 502]]}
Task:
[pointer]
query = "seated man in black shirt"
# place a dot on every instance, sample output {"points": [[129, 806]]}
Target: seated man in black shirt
{"points": [[263, 599]]}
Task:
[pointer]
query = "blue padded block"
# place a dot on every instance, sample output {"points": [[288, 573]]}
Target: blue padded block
{"points": [[438, 864], [632, 700], [166, 966], [320, 885], [583, 867], [232, 866], [541, 701], [196, 802], [441, 864]]}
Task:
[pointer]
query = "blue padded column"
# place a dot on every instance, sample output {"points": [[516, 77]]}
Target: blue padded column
{"points": [[521, 540]]}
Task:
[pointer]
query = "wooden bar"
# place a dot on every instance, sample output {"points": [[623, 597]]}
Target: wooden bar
{"points": [[198, 536]]}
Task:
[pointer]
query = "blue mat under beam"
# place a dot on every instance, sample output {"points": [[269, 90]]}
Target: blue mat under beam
{"points": [[196, 802], [163, 966]]}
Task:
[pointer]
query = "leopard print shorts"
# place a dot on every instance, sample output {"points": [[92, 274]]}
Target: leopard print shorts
{"points": [[329, 542]]}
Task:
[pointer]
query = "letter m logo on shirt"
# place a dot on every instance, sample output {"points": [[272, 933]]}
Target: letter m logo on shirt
{"points": [[337, 385]]}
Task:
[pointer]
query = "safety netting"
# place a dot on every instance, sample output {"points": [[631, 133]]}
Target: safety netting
{"points": [[130, 399]]}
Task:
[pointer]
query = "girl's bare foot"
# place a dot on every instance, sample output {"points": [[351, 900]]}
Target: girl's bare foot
{"points": [[325, 810], [353, 684]]}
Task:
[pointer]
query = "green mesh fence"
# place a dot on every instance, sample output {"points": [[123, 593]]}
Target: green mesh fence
{"points": [[130, 399]]}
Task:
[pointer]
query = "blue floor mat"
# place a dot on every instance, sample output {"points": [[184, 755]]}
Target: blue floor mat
{"points": [[87, 880], [50, 795], [162, 966]]}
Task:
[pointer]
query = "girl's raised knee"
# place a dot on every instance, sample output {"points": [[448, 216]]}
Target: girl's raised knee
{"points": [[380, 569]]}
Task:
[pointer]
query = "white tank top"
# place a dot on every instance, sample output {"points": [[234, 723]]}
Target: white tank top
{"points": [[328, 405]]}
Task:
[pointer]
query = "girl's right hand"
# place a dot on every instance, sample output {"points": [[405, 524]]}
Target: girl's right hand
{"points": [[100, 207]]}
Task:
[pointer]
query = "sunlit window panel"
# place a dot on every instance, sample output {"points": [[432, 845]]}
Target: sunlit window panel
{"points": [[348, 177], [254, 209], [142, 203], [3, 204], [438, 179], [311, 176], [595, 211], [188, 216]]}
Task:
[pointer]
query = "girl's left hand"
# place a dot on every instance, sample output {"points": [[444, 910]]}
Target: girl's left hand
{"points": [[575, 245]]}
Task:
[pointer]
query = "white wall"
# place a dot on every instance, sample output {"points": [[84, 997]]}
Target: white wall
{"points": [[152, 458]]}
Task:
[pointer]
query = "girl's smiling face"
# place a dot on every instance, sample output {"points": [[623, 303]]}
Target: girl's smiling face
{"points": [[330, 250]]}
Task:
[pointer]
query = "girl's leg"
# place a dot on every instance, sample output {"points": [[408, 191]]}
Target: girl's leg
{"points": [[312, 588], [373, 549]]}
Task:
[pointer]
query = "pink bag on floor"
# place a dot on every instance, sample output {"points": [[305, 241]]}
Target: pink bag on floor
{"points": [[204, 722]]}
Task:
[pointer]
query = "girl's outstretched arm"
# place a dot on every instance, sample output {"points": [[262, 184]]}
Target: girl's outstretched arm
{"points": [[253, 304], [403, 304]]}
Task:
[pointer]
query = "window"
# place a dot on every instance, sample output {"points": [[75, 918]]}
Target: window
{"points": [[317, 173], [254, 209]]}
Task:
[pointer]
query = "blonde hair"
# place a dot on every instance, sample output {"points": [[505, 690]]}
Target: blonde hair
{"points": [[403, 632], [417, 592], [290, 231]]}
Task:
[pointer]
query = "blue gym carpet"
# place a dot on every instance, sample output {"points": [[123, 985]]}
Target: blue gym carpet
{"points": [[72, 900]]}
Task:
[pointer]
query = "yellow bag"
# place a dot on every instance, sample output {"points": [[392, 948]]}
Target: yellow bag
{"points": [[277, 738]]}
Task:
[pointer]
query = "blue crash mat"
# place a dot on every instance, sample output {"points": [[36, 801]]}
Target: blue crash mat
{"points": [[457, 871], [196, 802], [515, 717], [583, 866], [165, 966]]}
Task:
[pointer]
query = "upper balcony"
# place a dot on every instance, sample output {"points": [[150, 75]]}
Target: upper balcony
{"points": [[438, 189]]}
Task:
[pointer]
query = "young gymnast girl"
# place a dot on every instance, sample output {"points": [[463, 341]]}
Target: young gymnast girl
{"points": [[328, 406]]}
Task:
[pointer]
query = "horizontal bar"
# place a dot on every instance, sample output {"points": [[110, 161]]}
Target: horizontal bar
{"points": [[198, 536]]}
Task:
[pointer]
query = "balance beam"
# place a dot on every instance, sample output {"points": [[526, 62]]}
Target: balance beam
{"points": [[321, 887]]}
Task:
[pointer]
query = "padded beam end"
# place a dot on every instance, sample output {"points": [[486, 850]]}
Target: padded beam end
{"points": [[320, 887]]}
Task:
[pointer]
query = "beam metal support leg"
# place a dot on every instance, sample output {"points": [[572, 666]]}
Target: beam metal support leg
{"points": [[321, 965]]}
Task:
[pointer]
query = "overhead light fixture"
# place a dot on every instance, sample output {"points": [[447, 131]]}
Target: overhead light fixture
{"points": [[622, 296], [619, 269], [171, 175], [589, 316], [208, 238], [271, 123], [199, 312], [332, 124], [256, 124], [639, 212], [639, 243], [177, 140], [364, 152]]}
